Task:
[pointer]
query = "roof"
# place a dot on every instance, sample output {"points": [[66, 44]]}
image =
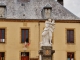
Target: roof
{"points": [[32, 10]]}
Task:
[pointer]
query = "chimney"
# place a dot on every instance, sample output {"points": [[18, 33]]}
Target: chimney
{"points": [[60, 1]]}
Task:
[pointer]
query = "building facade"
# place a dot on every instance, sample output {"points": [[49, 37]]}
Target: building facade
{"points": [[23, 21]]}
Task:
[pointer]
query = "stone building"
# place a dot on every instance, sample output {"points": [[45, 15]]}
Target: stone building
{"points": [[23, 20]]}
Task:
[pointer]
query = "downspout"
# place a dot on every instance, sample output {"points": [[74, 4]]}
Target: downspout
{"points": [[39, 34]]}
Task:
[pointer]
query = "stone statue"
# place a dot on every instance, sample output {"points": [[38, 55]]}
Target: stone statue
{"points": [[47, 33]]}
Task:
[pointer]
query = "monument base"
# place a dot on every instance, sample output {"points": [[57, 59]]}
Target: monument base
{"points": [[46, 53]]}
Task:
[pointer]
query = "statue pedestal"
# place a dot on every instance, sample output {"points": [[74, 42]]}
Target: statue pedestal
{"points": [[46, 53]]}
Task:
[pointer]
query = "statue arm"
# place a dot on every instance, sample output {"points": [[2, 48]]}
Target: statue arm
{"points": [[53, 22]]}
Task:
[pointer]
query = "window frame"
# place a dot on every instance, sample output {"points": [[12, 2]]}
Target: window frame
{"points": [[5, 35], [4, 54], [67, 55], [28, 34], [74, 35], [25, 52]]}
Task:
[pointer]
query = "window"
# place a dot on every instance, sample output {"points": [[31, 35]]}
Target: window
{"points": [[23, 0], [46, 12], [25, 35], [24, 55], [2, 57], [70, 55], [70, 36], [2, 11], [2, 35]]}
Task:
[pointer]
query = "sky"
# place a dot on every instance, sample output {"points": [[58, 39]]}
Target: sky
{"points": [[73, 6]]}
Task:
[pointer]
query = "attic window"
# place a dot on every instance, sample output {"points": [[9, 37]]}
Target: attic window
{"points": [[46, 12], [23, 1], [2, 11]]}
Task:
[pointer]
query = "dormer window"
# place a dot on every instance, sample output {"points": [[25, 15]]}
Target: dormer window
{"points": [[46, 12], [2, 11]]}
